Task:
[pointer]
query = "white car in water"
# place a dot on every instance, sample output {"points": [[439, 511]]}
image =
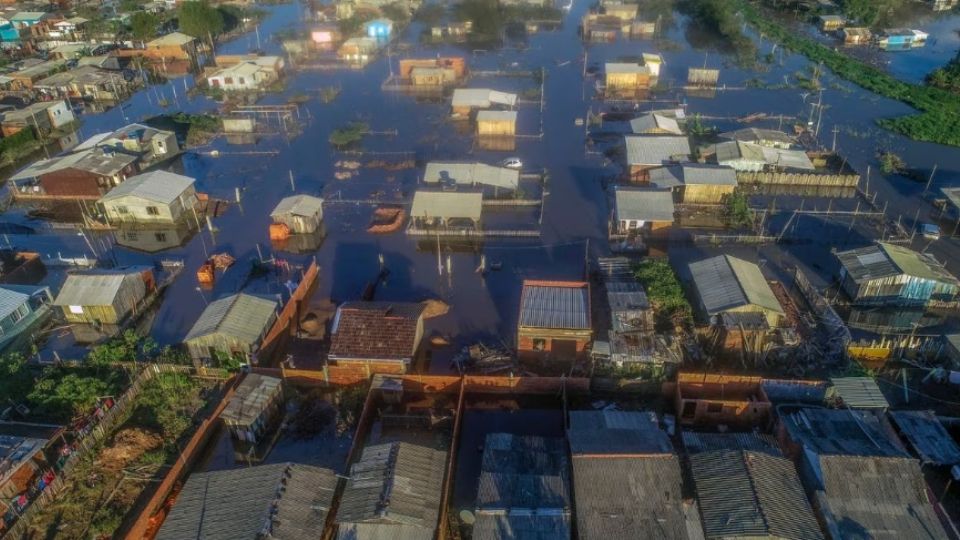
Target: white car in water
{"points": [[930, 231], [512, 163]]}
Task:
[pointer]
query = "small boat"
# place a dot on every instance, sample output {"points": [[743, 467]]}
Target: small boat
{"points": [[387, 220]]}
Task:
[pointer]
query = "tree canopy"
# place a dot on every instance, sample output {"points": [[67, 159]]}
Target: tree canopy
{"points": [[143, 25], [200, 19]]}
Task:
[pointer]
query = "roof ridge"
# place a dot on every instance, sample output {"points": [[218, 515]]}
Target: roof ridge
{"points": [[747, 457]]}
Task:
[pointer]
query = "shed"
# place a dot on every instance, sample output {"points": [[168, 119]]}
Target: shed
{"points": [[303, 214], [104, 296], [622, 77], [703, 78], [857, 35], [497, 123], [288, 501], [471, 174], [927, 437], [655, 124], [447, 208], [466, 99], [153, 197], [519, 476], [646, 152], [627, 481], [233, 326], [831, 23], [372, 333], [696, 183], [857, 393], [726, 284], [890, 274], [637, 209], [554, 319], [393, 492], [254, 408], [747, 489], [652, 61]]}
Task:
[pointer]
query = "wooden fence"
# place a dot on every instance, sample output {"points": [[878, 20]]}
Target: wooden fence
{"points": [[89, 440], [798, 179]]}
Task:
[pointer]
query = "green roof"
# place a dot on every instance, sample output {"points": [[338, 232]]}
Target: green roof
{"points": [[915, 264]]}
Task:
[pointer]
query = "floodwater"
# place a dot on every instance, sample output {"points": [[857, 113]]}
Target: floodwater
{"points": [[575, 212]]}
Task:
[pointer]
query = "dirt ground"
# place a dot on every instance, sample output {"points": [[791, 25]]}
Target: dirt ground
{"points": [[128, 445]]}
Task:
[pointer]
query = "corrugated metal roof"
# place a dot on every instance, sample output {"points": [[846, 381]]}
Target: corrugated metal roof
{"points": [[471, 173], [713, 175], [521, 526], [241, 316], [98, 288], [927, 436], [523, 473], [298, 205], [841, 432], [447, 204], [736, 150], [250, 398], [756, 135], [751, 493], [555, 304], [644, 204], [393, 492], [616, 432], [172, 39], [158, 186], [621, 67], [789, 159], [653, 121], [878, 497], [655, 150], [11, 300], [481, 98], [725, 282], [628, 498], [858, 392], [784, 390], [283, 500], [497, 116], [667, 177]]}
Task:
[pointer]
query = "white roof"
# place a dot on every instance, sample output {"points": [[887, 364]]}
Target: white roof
{"points": [[497, 116], [471, 174], [447, 204], [618, 67], [482, 98], [791, 159], [10, 301], [171, 39], [158, 186], [243, 69], [298, 205]]}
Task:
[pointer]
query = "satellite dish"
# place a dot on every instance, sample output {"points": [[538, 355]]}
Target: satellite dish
{"points": [[467, 517]]}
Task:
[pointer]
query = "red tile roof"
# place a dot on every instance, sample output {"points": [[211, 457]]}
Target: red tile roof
{"points": [[375, 330]]}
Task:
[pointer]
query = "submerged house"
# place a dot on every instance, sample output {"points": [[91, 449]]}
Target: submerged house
{"points": [[626, 78], [857, 35], [279, 500], [647, 152], [890, 274], [232, 327], [43, 117], [497, 123], [655, 124], [642, 209], [465, 100], [555, 319], [449, 210], [153, 197], [763, 137], [173, 46], [358, 50], [381, 336], [627, 481], [150, 145], [104, 296], [727, 285], [255, 408], [433, 72], [254, 73], [472, 174], [302, 214], [747, 489], [393, 492], [752, 157], [22, 308], [523, 489], [696, 183]]}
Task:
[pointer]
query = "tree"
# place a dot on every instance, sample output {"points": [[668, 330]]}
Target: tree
{"points": [[199, 19], [144, 25], [738, 210]]}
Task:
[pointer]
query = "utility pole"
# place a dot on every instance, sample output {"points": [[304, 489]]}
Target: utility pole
{"points": [[835, 130], [930, 180]]}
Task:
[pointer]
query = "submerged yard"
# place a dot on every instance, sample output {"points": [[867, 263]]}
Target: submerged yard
{"points": [[105, 485]]}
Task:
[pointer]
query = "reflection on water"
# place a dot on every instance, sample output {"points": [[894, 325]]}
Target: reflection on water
{"points": [[892, 320], [153, 238]]}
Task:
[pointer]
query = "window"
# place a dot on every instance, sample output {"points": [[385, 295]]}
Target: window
{"points": [[153, 211], [16, 316], [714, 408], [228, 80], [539, 344], [76, 310], [242, 81], [130, 236], [122, 210], [161, 237]]}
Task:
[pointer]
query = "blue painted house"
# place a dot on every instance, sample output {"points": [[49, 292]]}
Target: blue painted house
{"points": [[9, 34], [893, 275], [379, 28]]}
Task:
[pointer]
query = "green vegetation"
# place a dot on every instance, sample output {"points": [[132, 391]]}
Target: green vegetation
{"points": [[697, 128], [872, 12], [947, 77], [350, 134], [891, 163], [329, 93], [351, 25], [430, 14], [143, 25], [939, 118], [105, 484], [721, 17], [738, 210], [200, 19], [665, 293], [200, 127], [17, 146], [396, 12]]}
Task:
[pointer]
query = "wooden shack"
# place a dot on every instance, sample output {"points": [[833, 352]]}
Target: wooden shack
{"points": [[497, 123], [104, 297], [831, 23], [856, 35], [620, 77], [703, 78], [255, 408], [301, 214], [231, 327], [433, 71]]}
